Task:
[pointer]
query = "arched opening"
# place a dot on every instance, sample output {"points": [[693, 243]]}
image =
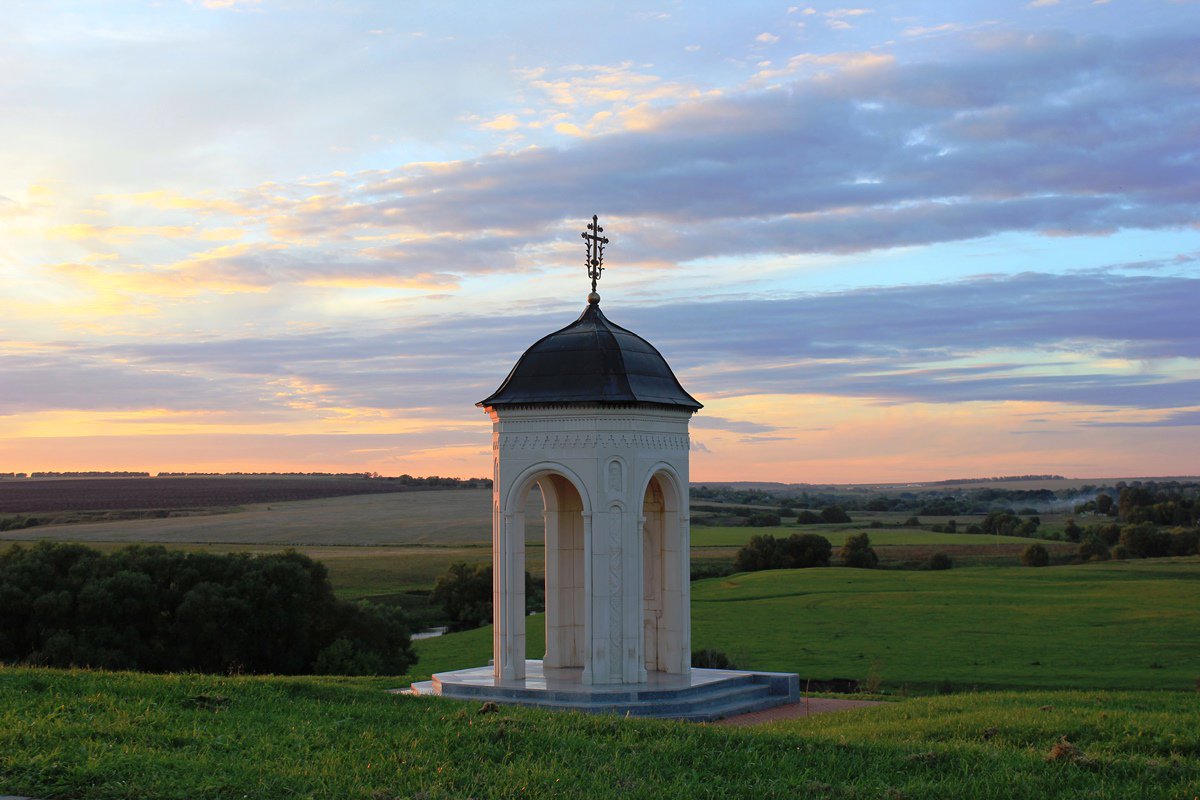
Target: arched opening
{"points": [[546, 494], [563, 538], [665, 639]]}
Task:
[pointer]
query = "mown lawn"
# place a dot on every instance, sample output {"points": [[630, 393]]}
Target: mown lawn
{"points": [[94, 736], [1115, 625]]}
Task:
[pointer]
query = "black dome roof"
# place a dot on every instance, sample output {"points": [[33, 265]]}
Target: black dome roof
{"points": [[591, 361]]}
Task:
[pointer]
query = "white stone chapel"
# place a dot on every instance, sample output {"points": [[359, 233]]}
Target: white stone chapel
{"points": [[594, 417]]}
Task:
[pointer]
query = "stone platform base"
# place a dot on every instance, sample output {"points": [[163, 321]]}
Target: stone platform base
{"points": [[702, 696]]}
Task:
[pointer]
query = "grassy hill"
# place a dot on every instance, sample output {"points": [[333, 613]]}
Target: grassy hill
{"points": [[1106, 659], [1112, 625], [95, 736]]}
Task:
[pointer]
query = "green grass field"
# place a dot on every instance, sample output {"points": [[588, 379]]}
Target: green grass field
{"points": [[1106, 655], [1115, 625], [103, 736]]}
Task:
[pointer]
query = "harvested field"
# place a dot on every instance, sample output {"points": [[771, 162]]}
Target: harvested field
{"points": [[88, 494]]}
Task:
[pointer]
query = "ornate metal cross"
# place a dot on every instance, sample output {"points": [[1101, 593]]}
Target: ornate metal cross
{"points": [[595, 250]]}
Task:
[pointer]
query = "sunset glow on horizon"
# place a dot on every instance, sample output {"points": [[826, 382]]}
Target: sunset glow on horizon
{"points": [[896, 243]]}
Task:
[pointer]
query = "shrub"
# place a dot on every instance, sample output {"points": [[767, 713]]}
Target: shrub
{"points": [[1120, 552], [1093, 548], [711, 658], [834, 514], [802, 550], [702, 571], [1185, 541], [807, 517], [155, 610], [1035, 556], [1110, 533], [761, 552], [763, 521], [912, 521], [465, 594], [1143, 540], [857, 552], [940, 561], [797, 551]]}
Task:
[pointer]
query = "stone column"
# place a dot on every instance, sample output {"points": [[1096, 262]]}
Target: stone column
{"points": [[508, 598]]}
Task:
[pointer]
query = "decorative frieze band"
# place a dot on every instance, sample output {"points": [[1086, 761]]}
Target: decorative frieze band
{"points": [[588, 441]]}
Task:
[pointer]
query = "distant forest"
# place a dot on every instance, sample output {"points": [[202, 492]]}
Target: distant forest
{"points": [[1158, 502]]}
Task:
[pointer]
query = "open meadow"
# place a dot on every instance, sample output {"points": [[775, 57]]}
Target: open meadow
{"points": [[1112, 625]]}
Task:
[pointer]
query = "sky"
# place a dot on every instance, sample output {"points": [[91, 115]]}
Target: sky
{"points": [[889, 242]]}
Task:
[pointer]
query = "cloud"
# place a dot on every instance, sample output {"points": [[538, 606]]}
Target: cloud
{"points": [[847, 152], [735, 425], [1048, 134], [1178, 419], [10, 207], [1080, 340]]}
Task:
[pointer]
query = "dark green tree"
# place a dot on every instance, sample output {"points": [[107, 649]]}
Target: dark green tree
{"points": [[465, 594], [156, 610], [857, 552], [1035, 555], [834, 514], [801, 550], [1093, 548]]}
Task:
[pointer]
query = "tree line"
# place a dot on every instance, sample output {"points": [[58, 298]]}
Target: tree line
{"points": [[156, 610]]}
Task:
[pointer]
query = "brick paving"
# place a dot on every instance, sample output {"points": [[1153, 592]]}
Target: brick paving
{"points": [[805, 708]]}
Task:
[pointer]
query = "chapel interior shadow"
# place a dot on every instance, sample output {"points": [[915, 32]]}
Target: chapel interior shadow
{"points": [[554, 519]]}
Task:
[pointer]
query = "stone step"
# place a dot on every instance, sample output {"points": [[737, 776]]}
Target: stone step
{"points": [[734, 696], [600, 695], [703, 695]]}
